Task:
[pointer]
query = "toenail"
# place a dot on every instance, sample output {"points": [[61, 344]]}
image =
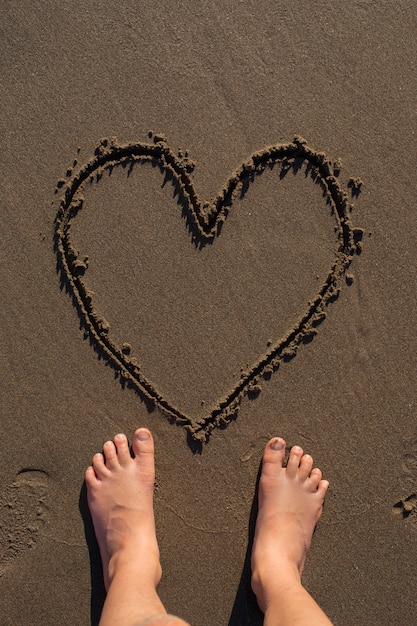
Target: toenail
{"points": [[143, 435], [277, 445]]}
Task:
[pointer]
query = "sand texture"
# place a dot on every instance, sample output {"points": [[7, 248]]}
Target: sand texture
{"points": [[208, 226]]}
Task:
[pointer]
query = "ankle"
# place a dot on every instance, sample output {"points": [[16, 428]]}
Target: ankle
{"points": [[271, 581], [147, 572]]}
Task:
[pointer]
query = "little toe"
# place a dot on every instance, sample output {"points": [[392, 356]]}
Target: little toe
{"points": [[306, 465], [294, 460], [90, 477], [315, 478], [110, 455], [323, 487], [143, 447], [273, 456], [122, 447], [99, 466]]}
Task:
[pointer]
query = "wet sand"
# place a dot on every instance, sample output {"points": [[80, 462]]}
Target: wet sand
{"points": [[208, 229]]}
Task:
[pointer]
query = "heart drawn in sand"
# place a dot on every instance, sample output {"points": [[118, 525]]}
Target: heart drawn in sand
{"points": [[205, 222]]}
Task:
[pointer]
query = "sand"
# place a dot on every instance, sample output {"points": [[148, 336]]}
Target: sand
{"points": [[208, 228]]}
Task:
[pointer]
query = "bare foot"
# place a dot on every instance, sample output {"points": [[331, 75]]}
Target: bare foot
{"points": [[120, 497], [290, 503]]}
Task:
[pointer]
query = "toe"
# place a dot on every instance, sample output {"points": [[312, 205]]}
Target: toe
{"points": [[99, 466], [143, 447], [294, 461], [306, 464], [90, 477], [110, 455], [323, 487], [315, 478], [273, 456], [122, 447]]}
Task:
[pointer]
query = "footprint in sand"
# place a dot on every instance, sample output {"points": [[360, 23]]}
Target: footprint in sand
{"points": [[22, 514]]}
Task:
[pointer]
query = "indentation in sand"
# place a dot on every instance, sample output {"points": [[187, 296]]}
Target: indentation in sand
{"points": [[407, 507], [23, 511], [205, 221]]}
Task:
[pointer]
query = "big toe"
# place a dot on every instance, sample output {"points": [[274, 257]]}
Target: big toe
{"points": [[273, 456], [143, 448]]}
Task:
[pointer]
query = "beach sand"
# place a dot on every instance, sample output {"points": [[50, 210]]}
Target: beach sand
{"points": [[208, 228]]}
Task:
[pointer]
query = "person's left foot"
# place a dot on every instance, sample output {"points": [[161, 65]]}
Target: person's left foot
{"points": [[120, 497]]}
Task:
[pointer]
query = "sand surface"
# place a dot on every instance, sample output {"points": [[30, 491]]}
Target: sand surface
{"points": [[246, 269]]}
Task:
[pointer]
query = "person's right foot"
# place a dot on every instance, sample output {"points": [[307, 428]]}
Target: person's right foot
{"points": [[290, 503]]}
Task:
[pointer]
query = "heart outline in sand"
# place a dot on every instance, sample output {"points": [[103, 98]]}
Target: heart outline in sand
{"points": [[205, 222]]}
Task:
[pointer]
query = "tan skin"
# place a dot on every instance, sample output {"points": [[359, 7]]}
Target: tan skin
{"points": [[120, 497]]}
